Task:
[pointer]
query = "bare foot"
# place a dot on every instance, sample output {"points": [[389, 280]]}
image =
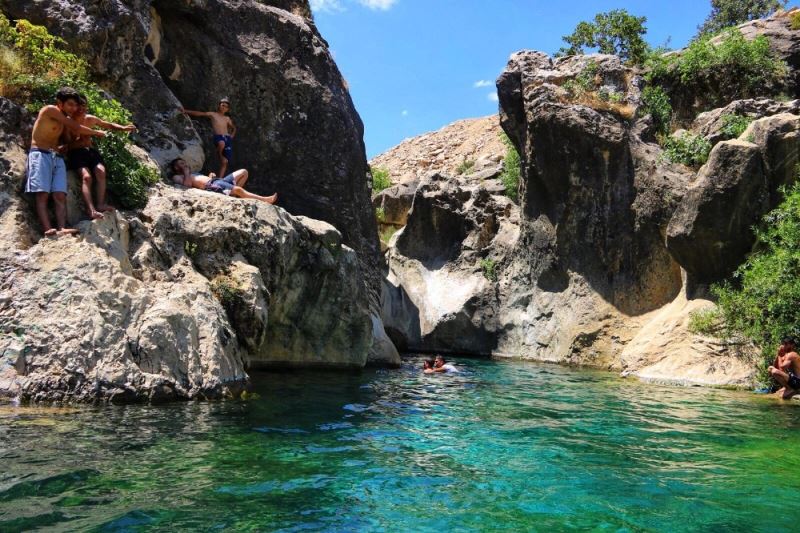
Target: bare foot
{"points": [[67, 231], [94, 215], [271, 199], [105, 208], [50, 233]]}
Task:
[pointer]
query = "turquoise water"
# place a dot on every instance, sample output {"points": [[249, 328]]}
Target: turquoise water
{"points": [[503, 446]]}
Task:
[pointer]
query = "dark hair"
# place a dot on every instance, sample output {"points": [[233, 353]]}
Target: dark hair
{"points": [[172, 164], [428, 363], [82, 100], [440, 357], [68, 93], [788, 339]]}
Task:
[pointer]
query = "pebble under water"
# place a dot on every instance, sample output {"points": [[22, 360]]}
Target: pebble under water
{"points": [[501, 446]]}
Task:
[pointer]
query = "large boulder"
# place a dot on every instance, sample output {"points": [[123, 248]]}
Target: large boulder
{"points": [[440, 293], [298, 131], [178, 301], [711, 233]]}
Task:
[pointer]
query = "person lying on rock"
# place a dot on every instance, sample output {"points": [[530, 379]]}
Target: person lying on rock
{"points": [[47, 173], [224, 131], [785, 370], [230, 185], [84, 159], [442, 366]]}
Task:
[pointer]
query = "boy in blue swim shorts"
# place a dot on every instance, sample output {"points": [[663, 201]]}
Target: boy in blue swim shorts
{"points": [[47, 172], [224, 131]]}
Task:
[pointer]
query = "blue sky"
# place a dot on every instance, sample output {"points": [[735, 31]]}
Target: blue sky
{"points": [[416, 65]]}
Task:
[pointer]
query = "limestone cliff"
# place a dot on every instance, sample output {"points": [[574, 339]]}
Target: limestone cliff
{"points": [[611, 248], [298, 131], [179, 299]]}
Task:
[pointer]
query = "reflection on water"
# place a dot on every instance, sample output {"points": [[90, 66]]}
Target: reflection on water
{"points": [[501, 446]]}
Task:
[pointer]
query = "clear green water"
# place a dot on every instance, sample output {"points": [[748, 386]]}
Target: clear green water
{"points": [[503, 446]]}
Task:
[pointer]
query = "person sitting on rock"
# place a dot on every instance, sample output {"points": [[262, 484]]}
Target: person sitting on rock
{"points": [[224, 131], [442, 366], [84, 159], [231, 185], [785, 370], [47, 172]]}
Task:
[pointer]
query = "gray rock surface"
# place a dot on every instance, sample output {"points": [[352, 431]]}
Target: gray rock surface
{"points": [[711, 233], [298, 134]]}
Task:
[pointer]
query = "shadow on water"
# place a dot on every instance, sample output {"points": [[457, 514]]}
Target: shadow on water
{"points": [[497, 446]]}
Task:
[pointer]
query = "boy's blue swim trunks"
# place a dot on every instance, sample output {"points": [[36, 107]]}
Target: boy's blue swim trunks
{"points": [[228, 150]]}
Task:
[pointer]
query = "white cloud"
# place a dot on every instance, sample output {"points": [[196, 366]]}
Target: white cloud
{"points": [[326, 5], [404, 112], [482, 83], [379, 5], [493, 97]]}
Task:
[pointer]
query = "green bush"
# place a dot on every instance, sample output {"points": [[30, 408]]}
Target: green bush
{"points": [[727, 13], [465, 167], [34, 65], [707, 75], [387, 233], [380, 214], [512, 168], [489, 267], [734, 125], [795, 21], [705, 322], [380, 179], [760, 302], [688, 149], [615, 32], [227, 291], [655, 103], [583, 83]]}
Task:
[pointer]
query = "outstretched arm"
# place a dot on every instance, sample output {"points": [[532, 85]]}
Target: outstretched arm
{"points": [[72, 126], [195, 113], [100, 123]]}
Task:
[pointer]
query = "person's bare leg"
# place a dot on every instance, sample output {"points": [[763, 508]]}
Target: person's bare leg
{"points": [[781, 377], [223, 161], [86, 189], [240, 177], [788, 392], [60, 201], [44, 216], [100, 176], [241, 193]]}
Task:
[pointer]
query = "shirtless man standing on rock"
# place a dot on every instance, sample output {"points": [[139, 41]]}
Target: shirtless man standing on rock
{"points": [[786, 369], [230, 185], [47, 173], [87, 161], [224, 131]]}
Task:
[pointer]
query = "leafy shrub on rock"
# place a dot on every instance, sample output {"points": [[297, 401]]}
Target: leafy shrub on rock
{"points": [[655, 102], [380, 179], [734, 125], [512, 169], [615, 32], [727, 13], [711, 72], [688, 149], [760, 302], [34, 65]]}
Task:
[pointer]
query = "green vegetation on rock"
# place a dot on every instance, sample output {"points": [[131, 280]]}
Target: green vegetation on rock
{"points": [[489, 267], [734, 125], [614, 32], [727, 13], [380, 179], [34, 65], [718, 71], [688, 149], [760, 302], [655, 102], [512, 168], [465, 167]]}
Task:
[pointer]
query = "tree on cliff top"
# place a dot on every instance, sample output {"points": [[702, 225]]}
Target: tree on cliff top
{"points": [[615, 32], [727, 13]]}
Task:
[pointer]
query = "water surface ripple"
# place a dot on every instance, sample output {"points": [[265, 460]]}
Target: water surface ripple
{"points": [[501, 446]]}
